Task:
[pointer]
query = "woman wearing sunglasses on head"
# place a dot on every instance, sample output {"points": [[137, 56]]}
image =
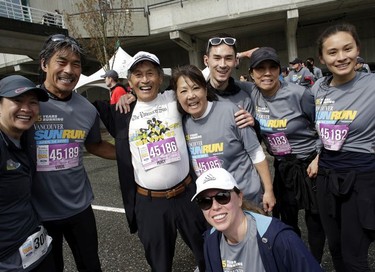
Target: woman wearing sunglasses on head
{"points": [[242, 239], [230, 147]]}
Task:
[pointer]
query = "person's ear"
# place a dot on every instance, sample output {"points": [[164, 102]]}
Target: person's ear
{"points": [[322, 61], [205, 60], [251, 75], [43, 65], [240, 195]]}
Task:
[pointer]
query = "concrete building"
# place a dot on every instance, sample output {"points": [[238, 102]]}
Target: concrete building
{"points": [[177, 30]]}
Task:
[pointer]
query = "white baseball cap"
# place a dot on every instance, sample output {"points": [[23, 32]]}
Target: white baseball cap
{"points": [[215, 178], [141, 56]]}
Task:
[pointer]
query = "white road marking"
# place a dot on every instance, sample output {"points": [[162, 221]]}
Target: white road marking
{"points": [[108, 209]]}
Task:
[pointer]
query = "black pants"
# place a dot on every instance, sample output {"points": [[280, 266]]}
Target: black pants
{"points": [[159, 219], [47, 265], [348, 219], [81, 235], [287, 207]]}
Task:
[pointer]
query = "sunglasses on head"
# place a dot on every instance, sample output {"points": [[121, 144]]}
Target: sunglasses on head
{"points": [[222, 198], [62, 37], [217, 40]]}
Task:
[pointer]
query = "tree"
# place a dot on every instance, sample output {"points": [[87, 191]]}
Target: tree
{"points": [[99, 25]]}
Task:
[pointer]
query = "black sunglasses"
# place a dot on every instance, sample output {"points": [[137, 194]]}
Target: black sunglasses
{"points": [[222, 198]]}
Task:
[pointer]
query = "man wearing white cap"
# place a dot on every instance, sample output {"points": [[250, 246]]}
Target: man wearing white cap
{"points": [[153, 165], [242, 239]]}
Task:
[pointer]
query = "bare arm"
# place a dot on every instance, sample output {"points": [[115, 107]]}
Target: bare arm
{"points": [[246, 54], [269, 199], [102, 149]]}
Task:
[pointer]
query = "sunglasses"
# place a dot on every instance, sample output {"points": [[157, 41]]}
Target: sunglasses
{"points": [[226, 40], [62, 37], [222, 198]]}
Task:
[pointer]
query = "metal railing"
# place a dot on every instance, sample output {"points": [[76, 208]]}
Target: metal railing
{"points": [[31, 15]]}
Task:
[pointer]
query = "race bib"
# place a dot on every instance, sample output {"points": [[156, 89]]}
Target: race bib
{"points": [[333, 136], [35, 246], [278, 143], [159, 153], [56, 157], [204, 164]]}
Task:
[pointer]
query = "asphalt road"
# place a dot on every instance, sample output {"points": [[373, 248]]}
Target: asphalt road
{"points": [[118, 249]]}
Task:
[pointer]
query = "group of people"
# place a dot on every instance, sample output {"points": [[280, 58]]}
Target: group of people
{"points": [[300, 72], [191, 157]]}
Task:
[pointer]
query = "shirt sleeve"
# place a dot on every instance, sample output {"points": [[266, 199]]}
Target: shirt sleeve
{"points": [[94, 135]]}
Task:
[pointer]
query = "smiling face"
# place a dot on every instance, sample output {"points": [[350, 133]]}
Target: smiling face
{"points": [[224, 218], [266, 77], [18, 114], [221, 61], [339, 53], [62, 72], [145, 80], [191, 96]]}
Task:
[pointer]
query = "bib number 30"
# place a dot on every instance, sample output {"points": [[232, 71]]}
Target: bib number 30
{"points": [[35, 246]]}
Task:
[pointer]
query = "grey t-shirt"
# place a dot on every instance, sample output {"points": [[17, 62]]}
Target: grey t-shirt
{"points": [[244, 256], [283, 122], [297, 77], [241, 98], [351, 106], [235, 94], [317, 73], [61, 187], [216, 141]]}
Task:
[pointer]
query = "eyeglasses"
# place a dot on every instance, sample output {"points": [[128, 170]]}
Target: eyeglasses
{"points": [[222, 198]]}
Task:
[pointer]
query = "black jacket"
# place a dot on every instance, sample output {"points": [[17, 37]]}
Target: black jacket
{"points": [[117, 125]]}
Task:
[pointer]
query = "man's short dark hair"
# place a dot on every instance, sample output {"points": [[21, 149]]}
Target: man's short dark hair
{"points": [[59, 42]]}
